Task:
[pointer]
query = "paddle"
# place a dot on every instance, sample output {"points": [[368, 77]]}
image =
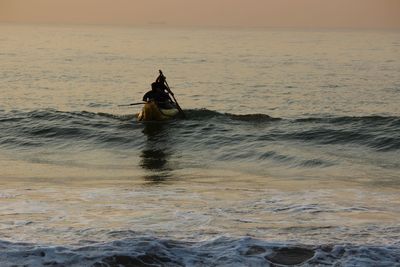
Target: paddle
{"points": [[132, 104], [172, 94]]}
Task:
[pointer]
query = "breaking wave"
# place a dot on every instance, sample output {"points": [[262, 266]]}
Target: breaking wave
{"points": [[222, 251]]}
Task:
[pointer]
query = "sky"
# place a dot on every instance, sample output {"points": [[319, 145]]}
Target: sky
{"points": [[230, 13]]}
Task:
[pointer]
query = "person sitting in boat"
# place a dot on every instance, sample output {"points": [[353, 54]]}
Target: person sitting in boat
{"points": [[159, 96]]}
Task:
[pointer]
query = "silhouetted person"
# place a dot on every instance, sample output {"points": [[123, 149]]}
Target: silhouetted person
{"points": [[158, 94]]}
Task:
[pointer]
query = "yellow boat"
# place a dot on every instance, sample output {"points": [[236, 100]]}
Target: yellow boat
{"points": [[151, 112]]}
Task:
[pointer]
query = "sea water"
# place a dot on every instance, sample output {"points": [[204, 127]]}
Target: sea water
{"points": [[289, 153]]}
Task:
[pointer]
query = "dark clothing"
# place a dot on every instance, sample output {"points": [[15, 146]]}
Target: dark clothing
{"points": [[159, 86], [158, 96]]}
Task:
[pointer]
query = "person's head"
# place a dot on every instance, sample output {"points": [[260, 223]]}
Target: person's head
{"points": [[154, 86]]}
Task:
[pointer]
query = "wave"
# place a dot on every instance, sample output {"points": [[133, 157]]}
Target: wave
{"points": [[377, 132], [381, 133], [222, 251], [204, 114], [41, 127], [369, 121], [53, 127], [374, 120], [199, 114]]}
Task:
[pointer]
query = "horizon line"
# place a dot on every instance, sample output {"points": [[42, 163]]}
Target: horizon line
{"points": [[165, 25]]}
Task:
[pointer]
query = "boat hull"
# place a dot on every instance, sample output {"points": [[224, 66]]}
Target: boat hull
{"points": [[151, 112]]}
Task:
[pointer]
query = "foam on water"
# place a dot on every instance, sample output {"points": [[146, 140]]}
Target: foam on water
{"points": [[222, 251]]}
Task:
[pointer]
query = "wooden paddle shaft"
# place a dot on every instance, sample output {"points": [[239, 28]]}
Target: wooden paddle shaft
{"points": [[172, 94]]}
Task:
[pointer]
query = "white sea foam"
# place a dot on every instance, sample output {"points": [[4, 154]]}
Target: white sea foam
{"points": [[221, 251]]}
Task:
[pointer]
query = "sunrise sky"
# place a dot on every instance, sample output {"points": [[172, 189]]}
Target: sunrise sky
{"points": [[236, 13]]}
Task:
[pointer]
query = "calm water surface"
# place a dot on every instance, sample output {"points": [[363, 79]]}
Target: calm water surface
{"points": [[290, 149]]}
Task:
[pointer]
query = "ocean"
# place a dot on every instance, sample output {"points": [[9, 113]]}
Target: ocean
{"points": [[289, 153]]}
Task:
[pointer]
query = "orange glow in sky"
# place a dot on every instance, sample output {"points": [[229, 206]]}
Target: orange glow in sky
{"points": [[241, 13]]}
